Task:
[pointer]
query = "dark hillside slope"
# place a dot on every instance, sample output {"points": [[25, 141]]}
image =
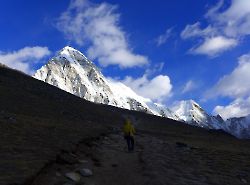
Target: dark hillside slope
{"points": [[39, 121]]}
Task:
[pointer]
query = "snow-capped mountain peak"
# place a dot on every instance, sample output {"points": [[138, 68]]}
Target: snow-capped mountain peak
{"points": [[189, 111], [71, 71], [192, 113], [72, 55], [75, 57]]}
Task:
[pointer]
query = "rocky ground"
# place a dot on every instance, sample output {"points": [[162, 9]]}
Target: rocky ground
{"points": [[155, 161]]}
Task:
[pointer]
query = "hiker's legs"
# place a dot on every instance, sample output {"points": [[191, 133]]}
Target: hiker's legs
{"points": [[128, 141], [132, 143]]}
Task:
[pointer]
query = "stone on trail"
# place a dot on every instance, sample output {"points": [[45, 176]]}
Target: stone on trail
{"points": [[73, 176], [83, 161], [86, 172], [244, 181], [67, 158]]}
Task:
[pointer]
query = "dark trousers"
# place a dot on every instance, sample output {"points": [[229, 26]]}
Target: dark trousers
{"points": [[130, 142]]}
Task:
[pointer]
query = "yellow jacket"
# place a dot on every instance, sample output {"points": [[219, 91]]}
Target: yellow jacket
{"points": [[128, 129]]}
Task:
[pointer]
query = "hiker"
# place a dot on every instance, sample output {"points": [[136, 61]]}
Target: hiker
{"points": [[129, 131]]}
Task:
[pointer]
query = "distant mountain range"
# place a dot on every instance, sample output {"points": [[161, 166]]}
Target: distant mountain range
{"points": [[71, 71]]}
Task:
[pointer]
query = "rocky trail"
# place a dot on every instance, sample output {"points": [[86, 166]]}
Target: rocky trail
{"points": [[105, 157], [104, 160]]}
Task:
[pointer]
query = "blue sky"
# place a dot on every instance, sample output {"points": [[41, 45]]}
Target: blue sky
{"points": [[165, 50]]}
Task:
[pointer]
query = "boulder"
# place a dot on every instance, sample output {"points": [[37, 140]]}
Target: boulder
{"points": [[73, 176], [86, 172]]}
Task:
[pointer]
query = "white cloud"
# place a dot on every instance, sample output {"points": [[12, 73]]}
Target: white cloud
{"points": [[213, 10], [238, 108], [226, 26], [25, 58], [195, 30], [162, 39], [157, 89], [154, 69], [235, 20], [215, 45], [98, 25], [236, 84], [189, 86]]}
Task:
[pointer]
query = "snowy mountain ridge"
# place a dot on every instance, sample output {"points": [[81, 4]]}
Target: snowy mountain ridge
{"points": [[239, 127], [71, 71], [190, 112], [193, 114]]}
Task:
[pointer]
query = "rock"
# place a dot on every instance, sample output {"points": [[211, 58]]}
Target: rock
{"points": [[83, 161], [73, 176], [66, 158], [9, 118], [244, 181], [12, 120], [86, 172], [242, 176]]}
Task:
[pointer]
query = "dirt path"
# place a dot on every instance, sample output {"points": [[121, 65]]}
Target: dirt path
{"points": [[115, 165], [154, 162], [107, 157]]}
